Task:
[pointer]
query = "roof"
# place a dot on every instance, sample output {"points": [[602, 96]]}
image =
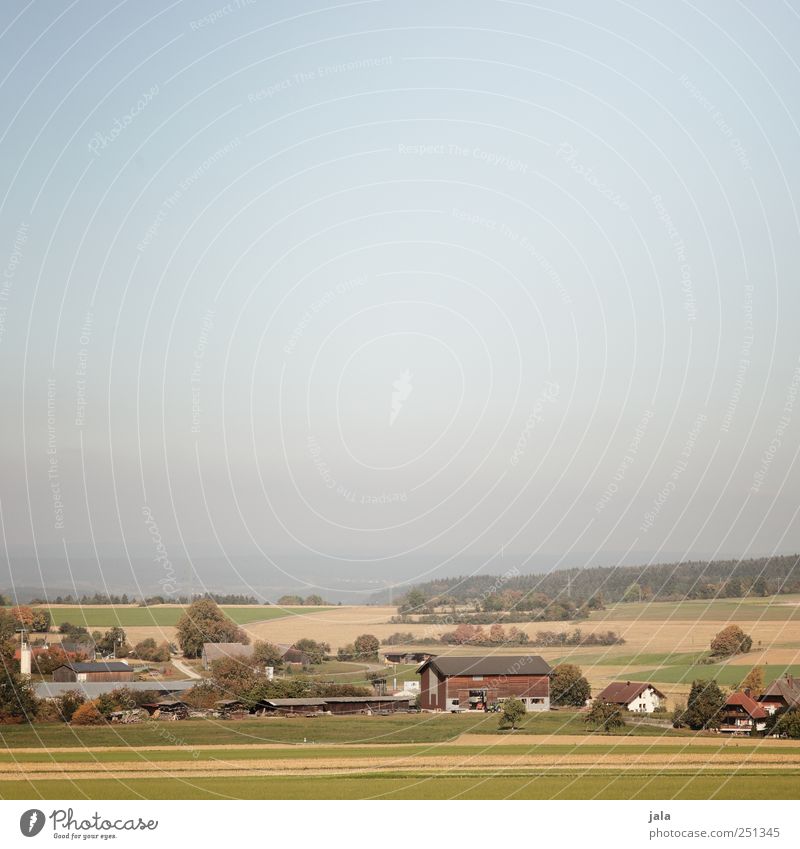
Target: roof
{"points": [[295, 702], [111, 666], [624, 692], [787, 688], [492, 664], [215, 651], [753, 708], [346, 699], [93, 689]]}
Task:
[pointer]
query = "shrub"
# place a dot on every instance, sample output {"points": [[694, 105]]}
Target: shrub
{"points": [[87, 714], [731, 640]]}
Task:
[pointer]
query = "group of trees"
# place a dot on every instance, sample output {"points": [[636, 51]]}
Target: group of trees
{"points": [[590, 588], [312, 600], [550, 639], [33, 619], [474, 635]]}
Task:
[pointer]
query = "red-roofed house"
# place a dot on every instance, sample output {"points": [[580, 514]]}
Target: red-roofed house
{"points": [[742, 714], [636, 697]]}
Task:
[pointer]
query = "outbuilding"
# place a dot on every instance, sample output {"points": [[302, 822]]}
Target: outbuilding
{"points": [[466, 682], [111, 671]]}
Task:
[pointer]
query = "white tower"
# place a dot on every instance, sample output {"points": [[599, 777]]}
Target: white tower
{"points": [[25, 657]]}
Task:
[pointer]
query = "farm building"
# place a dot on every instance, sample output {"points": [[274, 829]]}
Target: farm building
{"points": [[781, 693], [111, 671], [167, 709], [338, 705], [93, 689], [368, 704], [218, 651], [407, 656], [742, 714], [301, 707], [454, 683], [636, 697]]}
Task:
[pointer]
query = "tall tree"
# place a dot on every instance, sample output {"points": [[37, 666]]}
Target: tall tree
{"points": [[204, 622], [704, 705], [568, 686], [754, 681]]}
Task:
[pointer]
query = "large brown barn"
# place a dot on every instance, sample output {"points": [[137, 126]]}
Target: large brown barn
{"points": [[454, 683], [111, 671]]}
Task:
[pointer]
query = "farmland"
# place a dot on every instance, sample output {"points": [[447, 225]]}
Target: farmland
{"points": [[414, 756], [129, 616]]}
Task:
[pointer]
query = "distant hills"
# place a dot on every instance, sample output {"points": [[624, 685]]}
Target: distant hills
{"points": [[759, 576]]}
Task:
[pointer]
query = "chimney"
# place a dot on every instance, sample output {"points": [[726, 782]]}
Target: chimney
{"points": [[747, 691]]}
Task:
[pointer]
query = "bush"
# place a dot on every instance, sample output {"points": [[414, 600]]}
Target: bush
{"points": [[87, 714]]}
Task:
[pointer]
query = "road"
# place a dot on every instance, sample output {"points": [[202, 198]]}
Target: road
{"points": [[186, 670]]}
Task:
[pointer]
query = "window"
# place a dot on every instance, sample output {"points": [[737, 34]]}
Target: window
{"points": [[477, 677]]}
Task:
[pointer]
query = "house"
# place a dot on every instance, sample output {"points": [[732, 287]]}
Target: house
{"points": [[110, 671], [167, 709], [781, 694], [407, 656], [217, 651], [75, 647], [458, 683], [742, 714], [636, 697]]}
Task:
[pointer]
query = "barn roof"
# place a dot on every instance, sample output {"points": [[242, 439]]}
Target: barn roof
{"points": [[93, 689], [360, 699], [216, 651], [787, 688], [753, 708], [295, 702], [624, 692], [111, 666], [448, 665]]}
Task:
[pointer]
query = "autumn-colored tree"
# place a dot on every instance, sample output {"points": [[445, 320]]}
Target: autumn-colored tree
{"points": [[23, 616], [497, 633], [754, 681], [366, 646], [40, 622], [233, 676], [731, 640], [87, 714]]}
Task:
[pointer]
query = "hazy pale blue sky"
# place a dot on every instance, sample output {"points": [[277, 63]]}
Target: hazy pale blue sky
{"points": [[375, 289]]}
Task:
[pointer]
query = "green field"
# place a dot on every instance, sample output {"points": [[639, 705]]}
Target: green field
{"points": [[129, 616], [774, 609], [749, 784], [373, 730], [725, 674]]}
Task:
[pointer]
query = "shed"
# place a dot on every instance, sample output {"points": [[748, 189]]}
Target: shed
{"points": [[110, 671]]}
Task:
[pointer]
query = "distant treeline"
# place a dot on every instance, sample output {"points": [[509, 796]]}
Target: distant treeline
{"points": [[571, 590], [104, 598]]}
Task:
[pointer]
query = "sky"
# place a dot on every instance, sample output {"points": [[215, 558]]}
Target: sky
{"points": [[344, 296]]}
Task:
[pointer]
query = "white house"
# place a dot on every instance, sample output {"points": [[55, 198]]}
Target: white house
{"points": [[636, 697]]}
